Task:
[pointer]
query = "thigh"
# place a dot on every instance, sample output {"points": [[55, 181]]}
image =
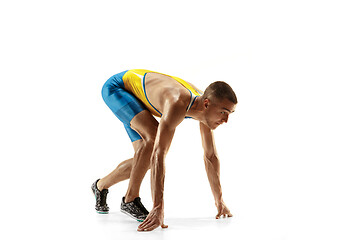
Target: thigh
{"points": [[145, 124], [123, 104]]}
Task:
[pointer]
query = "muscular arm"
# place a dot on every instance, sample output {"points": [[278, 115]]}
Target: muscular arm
{"points": [[212, 166], [173, 115]]}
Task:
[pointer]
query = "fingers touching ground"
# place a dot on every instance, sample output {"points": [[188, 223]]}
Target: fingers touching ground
{"points": [[150, 224], [223, 215]]}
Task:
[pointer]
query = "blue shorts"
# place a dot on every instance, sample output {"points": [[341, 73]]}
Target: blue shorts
{"points": [[123, 104]]}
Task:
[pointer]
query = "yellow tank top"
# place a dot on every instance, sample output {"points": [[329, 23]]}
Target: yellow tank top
{"points": [[134, 83]]}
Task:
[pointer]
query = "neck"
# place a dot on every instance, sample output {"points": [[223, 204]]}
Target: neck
{"points": [[197, 110]]}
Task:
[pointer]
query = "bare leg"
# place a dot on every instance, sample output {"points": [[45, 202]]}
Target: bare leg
{"points": [[141, 163], [135, 168], [146, 125], [127, 169], [120, 173]]}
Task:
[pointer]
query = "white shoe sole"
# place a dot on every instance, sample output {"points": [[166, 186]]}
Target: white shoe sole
{"points": [[139, 220]]}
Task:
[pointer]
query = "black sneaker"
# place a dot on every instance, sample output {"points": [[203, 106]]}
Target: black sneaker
{"points": [[100, 197], [134, 209]]}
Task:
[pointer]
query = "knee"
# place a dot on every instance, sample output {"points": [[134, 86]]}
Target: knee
{"points": [[145, 145], [149, 141], [149, 138], [148, 146]]}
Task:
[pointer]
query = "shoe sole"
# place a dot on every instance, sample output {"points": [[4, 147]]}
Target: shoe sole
{"points": [[139, 220], [102, 212]]}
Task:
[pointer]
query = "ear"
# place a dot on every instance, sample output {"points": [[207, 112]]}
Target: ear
{"points": [[206, 102]]}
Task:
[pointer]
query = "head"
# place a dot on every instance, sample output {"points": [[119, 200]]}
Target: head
{"points": [[219, 101]]}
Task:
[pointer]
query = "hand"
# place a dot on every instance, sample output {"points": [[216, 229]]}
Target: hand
{"points": [[222, 210], [153, 220]]}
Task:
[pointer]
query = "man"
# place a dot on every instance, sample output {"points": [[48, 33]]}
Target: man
{"points": [[135, 96]]}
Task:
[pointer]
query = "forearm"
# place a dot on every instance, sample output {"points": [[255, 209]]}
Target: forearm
{"points": [[157, 180], [212, 166]]}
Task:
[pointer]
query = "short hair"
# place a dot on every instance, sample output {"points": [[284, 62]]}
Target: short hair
{"points": [[220, 90]]}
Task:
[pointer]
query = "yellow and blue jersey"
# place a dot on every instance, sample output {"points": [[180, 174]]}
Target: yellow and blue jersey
{"points": [[134, 83]]}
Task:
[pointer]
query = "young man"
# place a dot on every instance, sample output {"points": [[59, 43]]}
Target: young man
{"points": [[135, 96]]}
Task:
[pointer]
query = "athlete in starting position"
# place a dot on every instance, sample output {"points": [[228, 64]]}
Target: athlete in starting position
{"points": [[135, 96]]}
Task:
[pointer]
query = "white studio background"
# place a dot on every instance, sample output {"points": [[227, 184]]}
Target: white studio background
{"points": [[289, 154]]}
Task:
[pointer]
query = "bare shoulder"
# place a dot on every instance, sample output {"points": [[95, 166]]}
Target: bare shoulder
{"points": [[163, 92], [175, 106], [177, 96]]}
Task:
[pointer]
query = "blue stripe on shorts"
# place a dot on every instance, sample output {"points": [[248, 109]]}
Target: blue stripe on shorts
{"points": [[123, 104]]}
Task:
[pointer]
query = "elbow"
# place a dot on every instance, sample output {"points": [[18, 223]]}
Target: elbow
{"points": [[211, 157], [211, 161]]}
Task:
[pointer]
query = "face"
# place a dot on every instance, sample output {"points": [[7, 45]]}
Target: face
{"points": [[217, 112]]}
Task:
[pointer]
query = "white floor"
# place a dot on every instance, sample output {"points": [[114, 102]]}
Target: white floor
{"points": [[116, 225], [71, 215]]}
